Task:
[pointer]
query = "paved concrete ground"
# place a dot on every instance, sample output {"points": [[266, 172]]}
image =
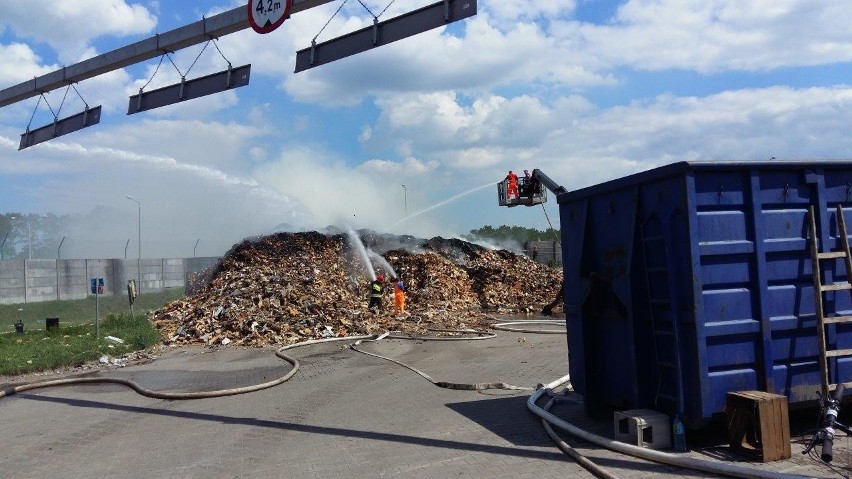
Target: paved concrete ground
{"points": [[344, 414]]}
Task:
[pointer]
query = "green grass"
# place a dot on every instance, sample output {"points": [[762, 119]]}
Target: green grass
{"points": [[80, 311], [73, 345], [75, 342]]}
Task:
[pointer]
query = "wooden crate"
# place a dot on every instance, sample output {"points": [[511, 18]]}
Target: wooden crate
{"points": [[759, 424]]}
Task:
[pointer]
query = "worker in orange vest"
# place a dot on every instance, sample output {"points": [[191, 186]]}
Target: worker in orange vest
{"points": [[399, 296], [512, 190]]}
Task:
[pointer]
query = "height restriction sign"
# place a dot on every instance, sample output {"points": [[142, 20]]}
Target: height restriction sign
{"points": [[267, 15]]}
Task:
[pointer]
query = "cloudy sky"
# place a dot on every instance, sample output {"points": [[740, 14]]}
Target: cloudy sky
{"points": [[586, 90]]}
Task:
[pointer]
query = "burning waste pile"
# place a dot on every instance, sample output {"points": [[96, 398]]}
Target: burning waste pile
{"points": [[290, 287]]}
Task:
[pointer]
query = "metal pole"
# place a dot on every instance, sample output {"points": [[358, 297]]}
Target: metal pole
{"points": [[29, 239], [405, 193], [58, 257], [196, 246], [125, 247], [97, 312], [139, 257]]}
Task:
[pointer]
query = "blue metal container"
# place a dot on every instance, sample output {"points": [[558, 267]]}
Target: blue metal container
{"points": [[691, 280]]}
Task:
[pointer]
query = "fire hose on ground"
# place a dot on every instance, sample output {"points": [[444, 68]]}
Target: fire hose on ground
{"points": [[686, 462], [8, 391], [547, 417]]}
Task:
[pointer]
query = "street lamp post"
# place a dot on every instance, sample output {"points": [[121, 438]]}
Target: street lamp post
{"points": [[405, 196], [139, 239], [58, 257]]}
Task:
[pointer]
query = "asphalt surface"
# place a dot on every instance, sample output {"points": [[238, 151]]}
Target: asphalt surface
{"points": [[344, 414]]}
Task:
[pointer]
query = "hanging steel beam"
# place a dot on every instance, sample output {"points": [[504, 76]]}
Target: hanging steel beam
{"points": [[214, 27], [382, 33], [190, 89], [89, 117]]}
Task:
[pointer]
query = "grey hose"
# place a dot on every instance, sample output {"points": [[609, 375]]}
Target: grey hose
{"points": [[582, 460], [562, 445], [504, 326], [440, 384], [174, 395], [717, 468]]}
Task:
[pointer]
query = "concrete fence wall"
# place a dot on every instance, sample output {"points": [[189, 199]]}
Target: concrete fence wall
{"points": [[548, 252], [34, 280]]}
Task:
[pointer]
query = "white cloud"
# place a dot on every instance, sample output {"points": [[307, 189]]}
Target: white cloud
{"points": [[742, 125], [438, 122], [408, 167], [68, 26], [20, 63], [720, 35], [514, 11]]}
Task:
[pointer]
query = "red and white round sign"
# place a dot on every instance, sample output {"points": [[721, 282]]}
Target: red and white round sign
{"points": [[267, 15]]}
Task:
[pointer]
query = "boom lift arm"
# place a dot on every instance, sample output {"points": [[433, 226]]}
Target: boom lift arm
{"points": [[530, 191]]}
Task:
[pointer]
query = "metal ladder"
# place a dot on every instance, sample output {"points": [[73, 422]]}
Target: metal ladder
{"points": [[664, 319], [820, 288]]}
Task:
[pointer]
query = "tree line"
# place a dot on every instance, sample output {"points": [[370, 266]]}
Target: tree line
{"points": [[41, 233], [514, 233]]}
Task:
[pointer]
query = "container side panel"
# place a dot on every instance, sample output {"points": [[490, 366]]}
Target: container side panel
{"points": [[664, 308], [789, 268], [609, 333], [733, 380], [727, 305], [785, 228], [722, 227], [792, 301], [731, 352], [721, 271], [730, 326], [720, 188], [799, 380], [780, 188], [572, 217]]}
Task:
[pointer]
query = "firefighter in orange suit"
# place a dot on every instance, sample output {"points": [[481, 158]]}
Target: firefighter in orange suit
{"points": [[512, 190]]}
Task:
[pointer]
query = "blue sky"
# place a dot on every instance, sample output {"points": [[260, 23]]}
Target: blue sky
{"points": [[586, 90]]}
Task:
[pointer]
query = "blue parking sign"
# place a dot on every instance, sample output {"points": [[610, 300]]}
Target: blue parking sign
{"points": [[97, 285]]}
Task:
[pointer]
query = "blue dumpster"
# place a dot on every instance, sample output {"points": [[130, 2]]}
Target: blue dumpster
{"points": [[691, 280]]}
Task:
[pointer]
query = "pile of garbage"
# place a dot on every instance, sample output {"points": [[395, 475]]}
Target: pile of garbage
{"points": [[290, 287]]}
